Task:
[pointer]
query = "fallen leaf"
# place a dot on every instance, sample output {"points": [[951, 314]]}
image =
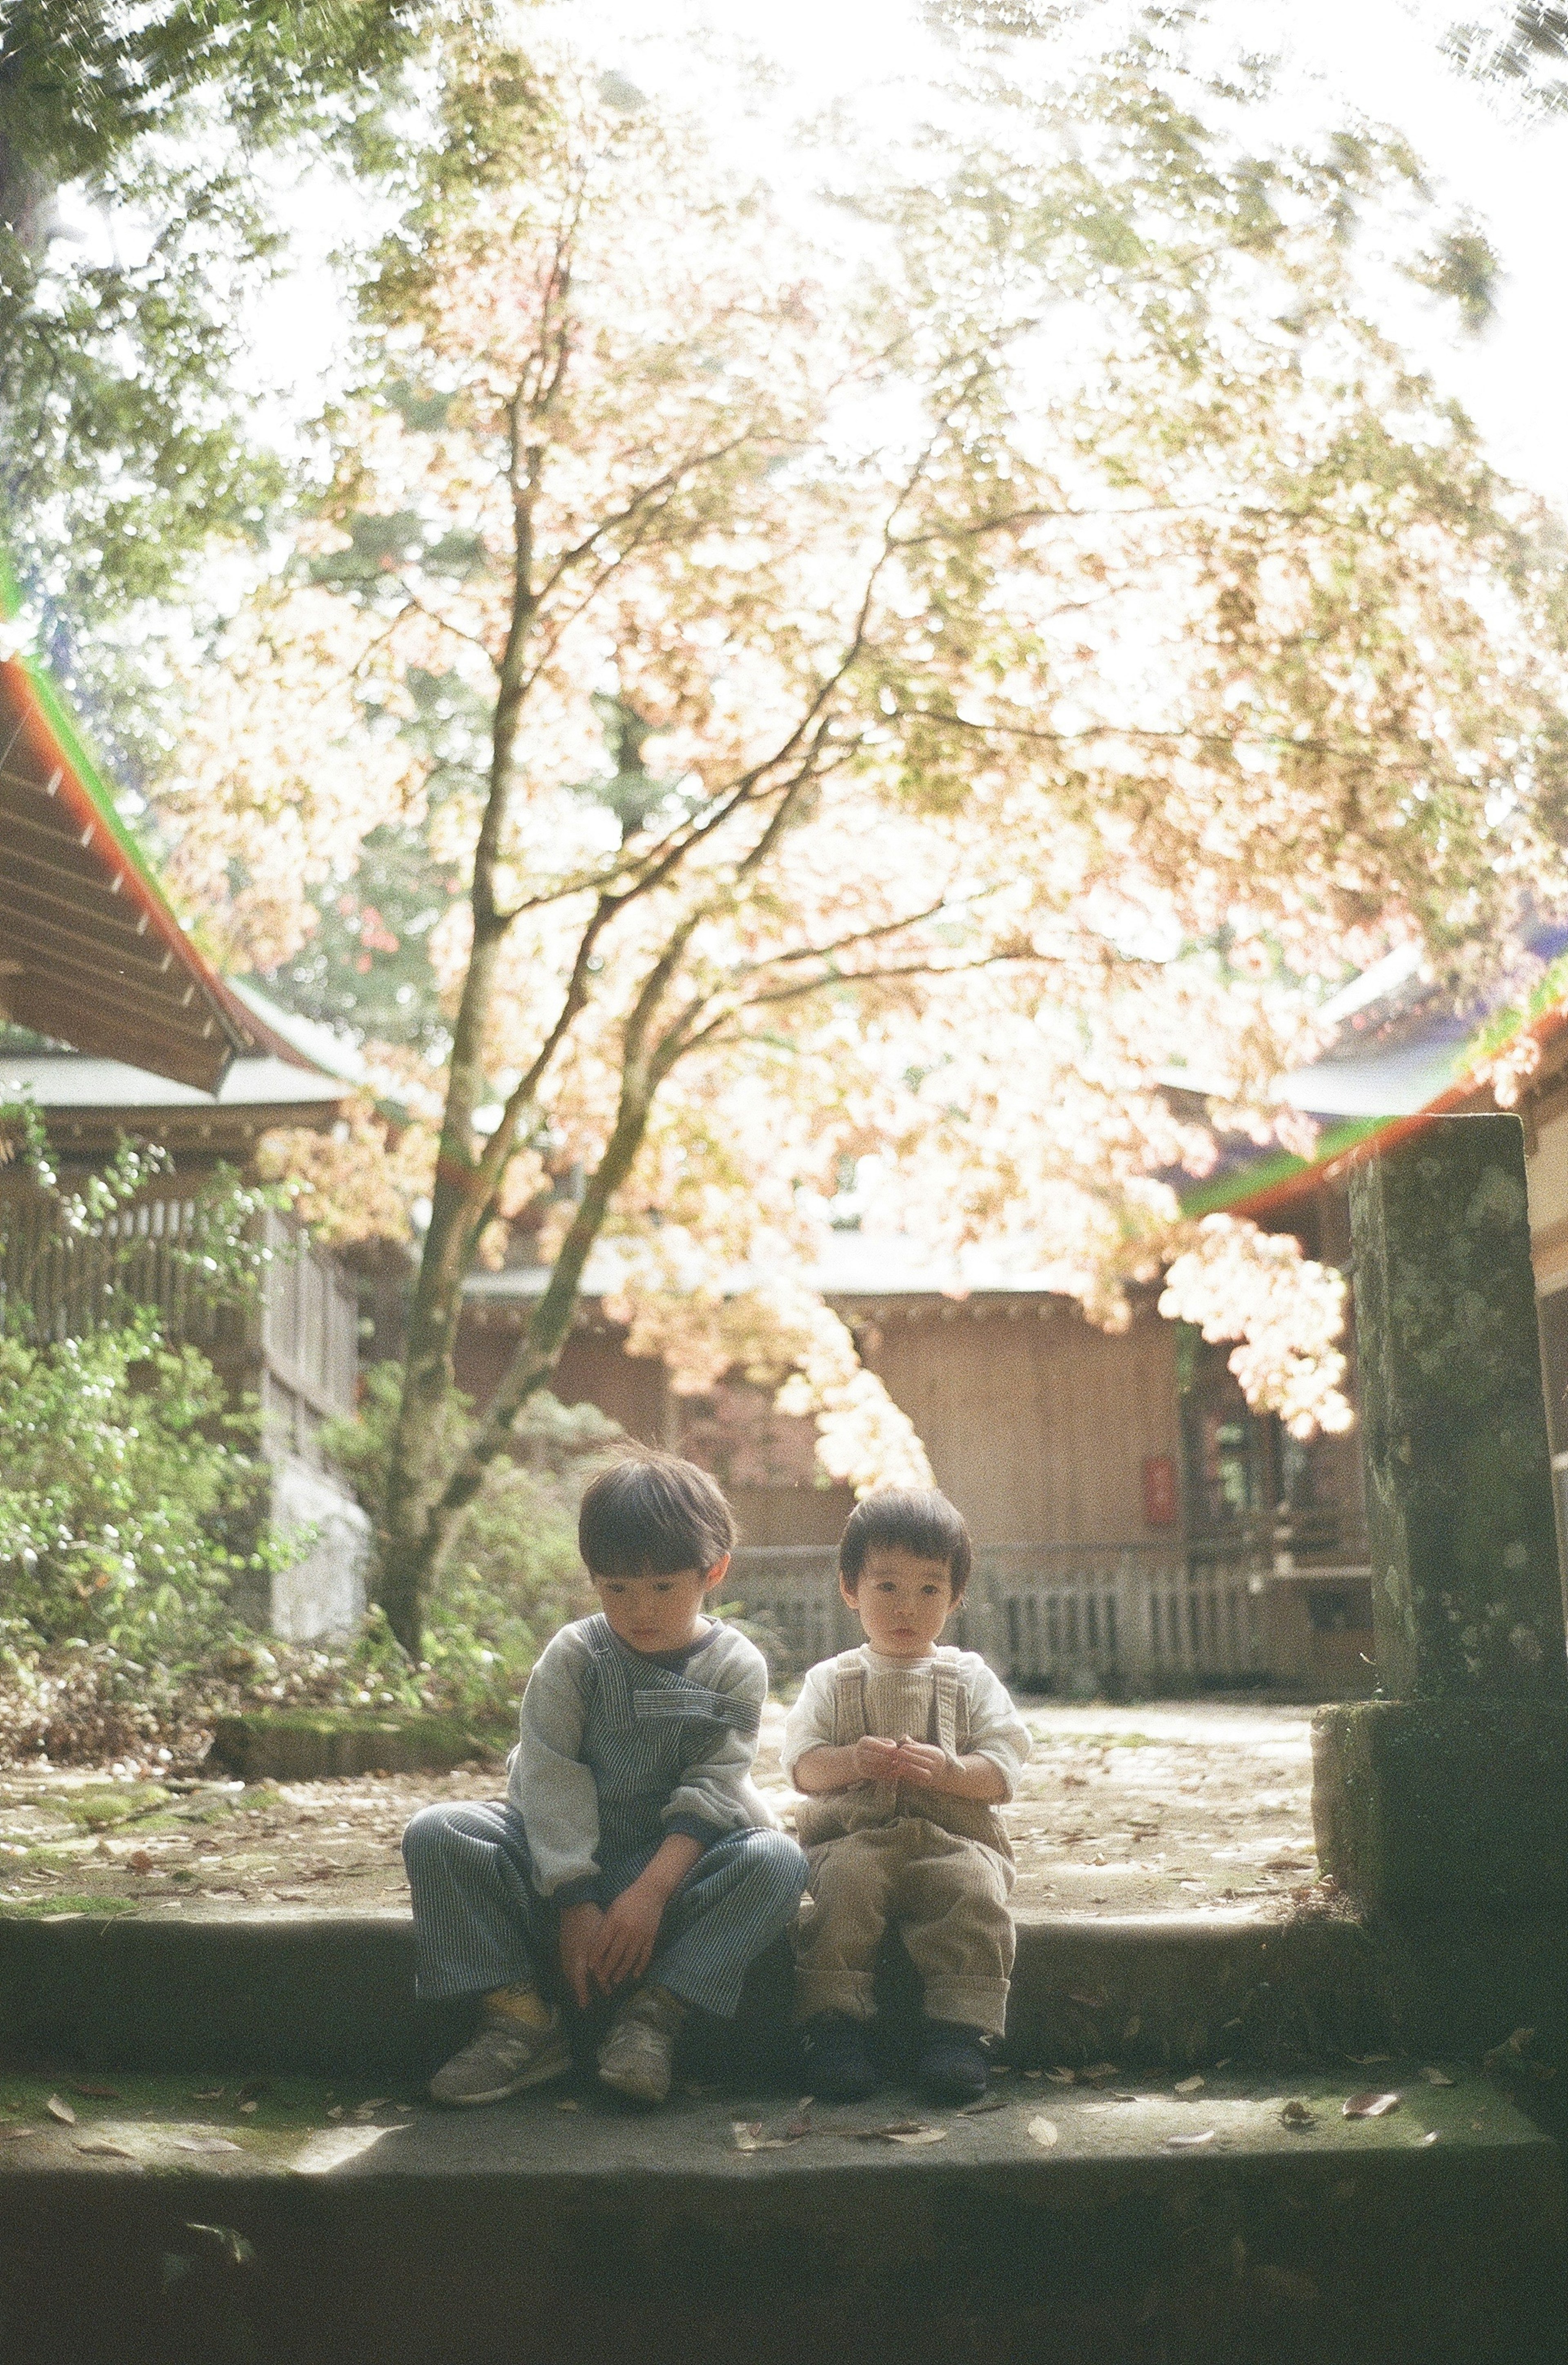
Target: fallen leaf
{"points": [[1297, 2114], [1437, 2078], [748, 2134], [60, 2111], [140, 1861], [1366, 2060], [1368, 2105], [204, 2142], [336, 2112], [208, 2094], [1187, 2143], [1039, 2073], [567, 2104], [98, 2093], [1432, 2136], [1118, 2095], [899, 2131], [247, 2108], [1194, 2085], [228, 2238], [1044, 2131], [105, 2150], [1057, 2077], [1101, 2071], [978, 2110]]}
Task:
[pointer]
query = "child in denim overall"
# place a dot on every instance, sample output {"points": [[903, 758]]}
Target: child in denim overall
{"points": [[632, 1855]]}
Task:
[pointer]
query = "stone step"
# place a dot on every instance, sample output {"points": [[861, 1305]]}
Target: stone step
{"points": [[166, 2227], [292, 1990]]}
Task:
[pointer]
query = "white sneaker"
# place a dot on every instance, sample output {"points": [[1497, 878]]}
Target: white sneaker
{"points": [[504, 2058], [636, 2056]]}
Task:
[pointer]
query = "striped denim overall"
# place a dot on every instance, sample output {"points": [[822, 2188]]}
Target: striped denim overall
{"points": [[480, 1924]]}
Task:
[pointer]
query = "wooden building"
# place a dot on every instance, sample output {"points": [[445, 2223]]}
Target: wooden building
{"points": [[1123, 1500], [113, 1023]]}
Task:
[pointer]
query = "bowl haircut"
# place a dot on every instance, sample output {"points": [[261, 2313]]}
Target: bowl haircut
{"points": [[652, 1515], [915, 1519]]}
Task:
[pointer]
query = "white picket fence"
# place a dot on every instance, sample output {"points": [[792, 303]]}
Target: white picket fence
{"points": [[1047, 1614]]}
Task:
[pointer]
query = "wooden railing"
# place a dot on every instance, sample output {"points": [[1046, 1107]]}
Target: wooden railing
{"points": [[297, 1347], [1055, 1614]]}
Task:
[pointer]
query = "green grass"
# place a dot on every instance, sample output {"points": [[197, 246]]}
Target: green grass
{"points": [[38, 1909], [104, 1804]]}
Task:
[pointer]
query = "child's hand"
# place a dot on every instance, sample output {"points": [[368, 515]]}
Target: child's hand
{"points": [[920, 1764], [580, 1944], [628, 1934], [875, 1760]]}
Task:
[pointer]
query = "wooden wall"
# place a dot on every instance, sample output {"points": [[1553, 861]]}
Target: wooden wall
{"points": [[1036, 1423]]}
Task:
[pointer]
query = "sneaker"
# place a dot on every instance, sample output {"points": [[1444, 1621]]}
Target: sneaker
{"points": [[637, 2055], [504, 2058], [952, 2062], [837, 2066]]}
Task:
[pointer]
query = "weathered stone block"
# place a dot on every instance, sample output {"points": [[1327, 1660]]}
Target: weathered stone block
{"points": [[309, 1745], [1467, 1597], [1419, 1805]]}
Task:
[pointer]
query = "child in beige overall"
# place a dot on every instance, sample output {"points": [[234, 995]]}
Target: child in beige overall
{"points": [[905, 1752]]}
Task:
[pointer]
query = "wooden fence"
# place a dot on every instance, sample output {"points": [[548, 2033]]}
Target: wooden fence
{"points": [[297, 1347], [1053, 1615]]}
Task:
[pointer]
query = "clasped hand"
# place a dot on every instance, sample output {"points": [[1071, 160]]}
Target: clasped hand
{"points": [[916, 1762], [604, 1948]]}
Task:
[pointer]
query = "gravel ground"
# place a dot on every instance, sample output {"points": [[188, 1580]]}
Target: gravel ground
{"points": [[1122, 1810]]}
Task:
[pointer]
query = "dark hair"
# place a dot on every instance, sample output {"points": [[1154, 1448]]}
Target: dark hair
{"points": [[905, 1518], [652, 1515]]}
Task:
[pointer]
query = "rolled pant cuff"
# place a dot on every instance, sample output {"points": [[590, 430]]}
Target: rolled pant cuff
{"points": [[849, 1993], [974, 2003]]}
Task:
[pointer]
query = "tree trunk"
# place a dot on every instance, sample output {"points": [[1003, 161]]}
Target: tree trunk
{"points": [[412, 1554]]}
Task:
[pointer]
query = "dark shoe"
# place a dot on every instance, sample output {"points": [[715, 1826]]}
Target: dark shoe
{"points": [[837, 2067], [952, 2062]]}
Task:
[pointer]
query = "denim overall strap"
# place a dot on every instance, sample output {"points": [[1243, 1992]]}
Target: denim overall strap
{"points": [[642, 1731]]}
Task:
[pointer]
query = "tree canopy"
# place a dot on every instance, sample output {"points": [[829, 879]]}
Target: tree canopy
{"points": [[125, 442], [951, 704]]}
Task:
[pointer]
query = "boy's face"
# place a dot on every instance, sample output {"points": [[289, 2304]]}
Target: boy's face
{"points": [[659, 1613], [904, 1602]]}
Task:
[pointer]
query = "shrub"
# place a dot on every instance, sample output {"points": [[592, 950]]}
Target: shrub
{"points": [[512, 1577]]}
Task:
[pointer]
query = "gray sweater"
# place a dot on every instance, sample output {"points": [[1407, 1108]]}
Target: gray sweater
{"points": [[552, 1781]]}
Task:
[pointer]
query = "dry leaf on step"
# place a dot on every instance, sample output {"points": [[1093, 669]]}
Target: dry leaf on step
{"points": [[1189, 2086], [60, 2111], [1369, 2106], [1437, 2077], [1044, 2131], [1188, 2143], [978, 2110], [899, 2131], [104, 2150]]}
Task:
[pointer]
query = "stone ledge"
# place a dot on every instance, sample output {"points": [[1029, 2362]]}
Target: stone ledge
{"points": [[530, 2235], [331, 1993]]}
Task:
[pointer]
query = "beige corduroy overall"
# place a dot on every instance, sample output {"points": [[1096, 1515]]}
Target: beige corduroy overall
{"points": [[938, 1868]]}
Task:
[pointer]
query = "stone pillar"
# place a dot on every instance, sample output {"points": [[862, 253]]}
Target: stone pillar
{"points": [[1467, 1597], [1453, 1791]]}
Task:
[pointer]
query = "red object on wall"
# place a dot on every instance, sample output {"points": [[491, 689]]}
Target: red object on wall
{"points": [[1160, 1507]]}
